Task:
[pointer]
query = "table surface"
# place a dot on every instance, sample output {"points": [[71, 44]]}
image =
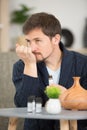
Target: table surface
{"points": [[64, 114]]}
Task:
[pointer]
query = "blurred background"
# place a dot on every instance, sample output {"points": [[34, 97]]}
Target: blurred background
{"points": [[73, 17], [71, 13]]}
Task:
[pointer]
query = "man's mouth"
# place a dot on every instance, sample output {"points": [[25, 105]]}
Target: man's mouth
{"points": [[36, 53]]}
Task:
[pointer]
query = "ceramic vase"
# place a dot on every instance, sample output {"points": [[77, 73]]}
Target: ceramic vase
{"points": [[75, 97], [53, 106]]}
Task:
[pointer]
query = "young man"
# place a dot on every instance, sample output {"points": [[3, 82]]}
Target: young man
{"points": [[43, 56]]}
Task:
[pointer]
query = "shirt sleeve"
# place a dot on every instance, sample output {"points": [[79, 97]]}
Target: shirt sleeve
{"points": [[25, 85]]}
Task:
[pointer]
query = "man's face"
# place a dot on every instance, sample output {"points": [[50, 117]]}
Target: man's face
{"points": [[41, 45]]}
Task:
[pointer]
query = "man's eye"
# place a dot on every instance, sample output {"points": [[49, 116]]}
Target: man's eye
{"points": [[37, 40], [27, 40]]}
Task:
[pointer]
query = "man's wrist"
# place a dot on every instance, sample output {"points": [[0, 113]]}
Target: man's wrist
{"points": [[31, 70]]}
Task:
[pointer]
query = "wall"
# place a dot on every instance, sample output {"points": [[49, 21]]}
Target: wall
{"points": [[4, 25], [71, 13]]}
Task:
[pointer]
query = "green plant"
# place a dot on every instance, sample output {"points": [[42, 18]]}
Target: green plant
{"points": [[19, 16], [52, 91]]}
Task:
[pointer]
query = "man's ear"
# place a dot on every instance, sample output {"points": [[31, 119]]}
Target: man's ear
{"points": [[56, 39]]}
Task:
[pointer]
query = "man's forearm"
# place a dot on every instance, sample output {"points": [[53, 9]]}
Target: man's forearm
{"points": [[30, 70]]}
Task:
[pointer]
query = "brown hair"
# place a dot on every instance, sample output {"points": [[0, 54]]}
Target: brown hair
{"points": [[49, 24]]}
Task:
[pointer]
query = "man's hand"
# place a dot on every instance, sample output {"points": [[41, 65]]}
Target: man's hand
{"points": [[25, 53], [29, 59]]}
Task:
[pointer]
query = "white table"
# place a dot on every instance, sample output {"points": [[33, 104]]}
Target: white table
{"points": [[64, 116]]}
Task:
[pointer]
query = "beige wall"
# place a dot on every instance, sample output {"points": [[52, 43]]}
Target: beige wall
{"points": [[4, 30]]}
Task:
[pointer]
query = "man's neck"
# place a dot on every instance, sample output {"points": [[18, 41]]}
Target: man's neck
{"points": [[55, 62]]}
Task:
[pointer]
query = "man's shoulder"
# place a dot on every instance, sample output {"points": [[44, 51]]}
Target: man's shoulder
{"points": [[80, 56], [71, 54], [77, 55]]}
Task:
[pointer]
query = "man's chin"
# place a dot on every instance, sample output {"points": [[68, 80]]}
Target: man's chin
{"points": [[39, 60]]}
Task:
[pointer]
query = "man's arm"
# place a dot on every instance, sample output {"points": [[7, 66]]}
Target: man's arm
{"points": [[25, 85], [25, 75]]}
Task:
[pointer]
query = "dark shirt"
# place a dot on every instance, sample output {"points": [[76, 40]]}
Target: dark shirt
{"points": [[73, 64]]}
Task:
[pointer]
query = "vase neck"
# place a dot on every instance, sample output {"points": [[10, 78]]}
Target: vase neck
{"points": [[76, 81]]}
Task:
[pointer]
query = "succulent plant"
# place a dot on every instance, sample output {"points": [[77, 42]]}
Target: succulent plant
{"points": [[52, 92]]}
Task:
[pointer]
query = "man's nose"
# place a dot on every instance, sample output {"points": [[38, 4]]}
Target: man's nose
{"points": [[33, 46]]}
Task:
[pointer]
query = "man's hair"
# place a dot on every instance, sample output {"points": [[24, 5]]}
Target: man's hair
{"points": [[48, 23]]}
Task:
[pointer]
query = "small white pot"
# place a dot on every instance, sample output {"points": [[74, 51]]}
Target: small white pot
{"points": [[53, 106]]}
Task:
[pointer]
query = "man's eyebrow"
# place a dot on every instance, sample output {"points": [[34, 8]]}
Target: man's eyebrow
{"points": [[37, 38]]}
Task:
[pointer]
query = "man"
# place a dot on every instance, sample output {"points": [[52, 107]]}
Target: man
{"points": [[45, 55]]}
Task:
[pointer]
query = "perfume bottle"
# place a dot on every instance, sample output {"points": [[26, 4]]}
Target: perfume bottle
{"points": [[50, 79], [38, 104], [31, 104]]}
